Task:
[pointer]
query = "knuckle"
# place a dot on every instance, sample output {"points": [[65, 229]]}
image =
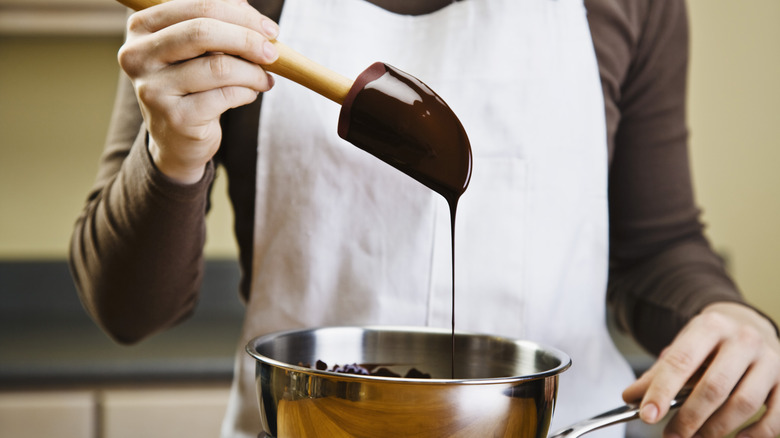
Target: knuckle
{"points": [[679, 360], [773, 359], [771, 356], [714, 321], [234, 96], [136, 22], [146, 92], [774, 355], [249, 40], [764, 429], [206, 8], [131, 59], [749, 336], [220, 66], [199, 29], [125, 57], [229, 94], [771, 430], [745, 404], [687, 422], [715, 429], [715, 389], [769, 423]]}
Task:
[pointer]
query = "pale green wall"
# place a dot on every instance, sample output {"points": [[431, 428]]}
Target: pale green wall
{"points": [[56, 95]]}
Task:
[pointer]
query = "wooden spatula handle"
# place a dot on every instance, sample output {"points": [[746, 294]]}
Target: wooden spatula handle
{"points": [[140, 4], [298, 68], [290, 64]]}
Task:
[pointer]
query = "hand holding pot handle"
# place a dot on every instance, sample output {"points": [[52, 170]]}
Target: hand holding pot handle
{"points": [[620, 415]]}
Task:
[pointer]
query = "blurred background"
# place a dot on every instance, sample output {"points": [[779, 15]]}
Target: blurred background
{"points": [[58, 71]]}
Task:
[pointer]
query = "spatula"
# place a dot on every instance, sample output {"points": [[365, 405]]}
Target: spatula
{"points": [[389, 114]]}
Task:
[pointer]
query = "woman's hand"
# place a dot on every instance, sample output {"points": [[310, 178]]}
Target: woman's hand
{"points": [[732, 354], [190, 61]]}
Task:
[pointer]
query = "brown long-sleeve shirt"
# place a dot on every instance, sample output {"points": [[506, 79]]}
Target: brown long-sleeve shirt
{"points": [[137, 248]]}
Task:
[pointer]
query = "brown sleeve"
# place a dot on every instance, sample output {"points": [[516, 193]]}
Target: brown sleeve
{"points": [[662, 269], [136, 249]]}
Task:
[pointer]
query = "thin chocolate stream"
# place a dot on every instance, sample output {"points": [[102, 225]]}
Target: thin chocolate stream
{"points": [[453, 207], [400, 120]]}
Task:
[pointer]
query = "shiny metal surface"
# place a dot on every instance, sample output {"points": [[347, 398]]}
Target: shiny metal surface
{"points": [[628, 412], [502, 387]]}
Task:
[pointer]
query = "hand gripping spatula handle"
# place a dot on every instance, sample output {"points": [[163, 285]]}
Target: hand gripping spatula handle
{"points": [[388, 113], [290, 64]]}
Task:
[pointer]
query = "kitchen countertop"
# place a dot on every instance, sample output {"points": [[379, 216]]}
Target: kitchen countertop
{"points": [[55, 352], [47, 339]]}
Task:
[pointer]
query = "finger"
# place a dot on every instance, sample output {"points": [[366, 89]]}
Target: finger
{"points": [[637, 389], [678, 363], [214, 71], [648, 412], [188, 114], [713, 389], [189, 28], [194, 38], [748, 398], [211, 102], [741, 406], [169, 13], [768, 425], [221, 99]]}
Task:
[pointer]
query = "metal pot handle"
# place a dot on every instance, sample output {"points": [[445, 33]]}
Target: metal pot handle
{"points": [[620, 415]]}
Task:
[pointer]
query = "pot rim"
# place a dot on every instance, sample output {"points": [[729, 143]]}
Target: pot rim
{"points": [[565, 360]]}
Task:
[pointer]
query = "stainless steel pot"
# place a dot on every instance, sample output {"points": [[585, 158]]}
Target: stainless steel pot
{"points": [[502, 387]]}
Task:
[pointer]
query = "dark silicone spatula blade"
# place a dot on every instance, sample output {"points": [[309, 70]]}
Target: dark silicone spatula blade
{"points": [[400, 120]]}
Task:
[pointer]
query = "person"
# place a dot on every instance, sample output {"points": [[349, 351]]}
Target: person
{"points": [[576, 118]]}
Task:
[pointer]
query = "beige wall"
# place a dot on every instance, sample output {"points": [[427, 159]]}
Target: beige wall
{"points": [[734, 116], [55, 101], [56, 95]]}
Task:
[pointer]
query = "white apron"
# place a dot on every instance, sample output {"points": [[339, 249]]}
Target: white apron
{"points": [[342, 238]]}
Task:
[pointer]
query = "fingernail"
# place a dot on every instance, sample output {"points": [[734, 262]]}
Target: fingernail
{"points": [[649, 413], [270, 51], [271, 29]]}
